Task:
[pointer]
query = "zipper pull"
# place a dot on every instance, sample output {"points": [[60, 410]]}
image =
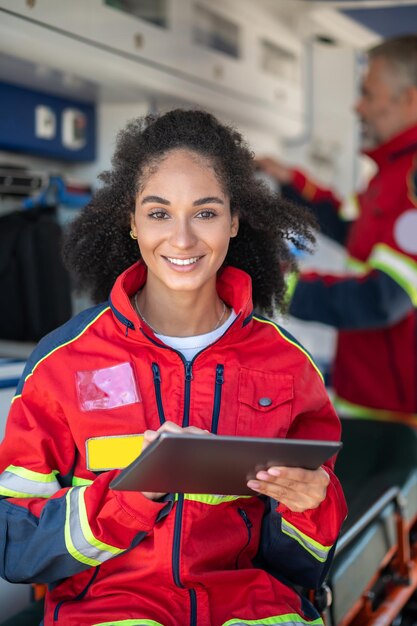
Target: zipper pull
{"points": [[219, 374], [188, 371], [129, 326], [156, 372]]}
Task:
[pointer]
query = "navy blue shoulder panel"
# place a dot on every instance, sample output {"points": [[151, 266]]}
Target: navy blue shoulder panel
{"points": [[290, 339], [284, 332], [58, 337]]}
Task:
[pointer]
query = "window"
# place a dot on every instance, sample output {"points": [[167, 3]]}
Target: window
{"points": [[216, 32], [278, 61], [153, 11]]}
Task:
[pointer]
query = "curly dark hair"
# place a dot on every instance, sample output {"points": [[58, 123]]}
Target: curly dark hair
{"points": [[97, 246]]}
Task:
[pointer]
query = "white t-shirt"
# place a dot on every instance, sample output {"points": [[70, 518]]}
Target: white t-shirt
{"points": [[189, 346]]}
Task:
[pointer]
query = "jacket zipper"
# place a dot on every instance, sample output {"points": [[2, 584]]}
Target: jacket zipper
{"points": [[180, 506], [80, 596], [249, 525], [187, 394], [157, 384], [217, 398], [185, 422]]}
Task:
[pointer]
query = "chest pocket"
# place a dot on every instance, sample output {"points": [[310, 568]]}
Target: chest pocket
{"points": [[265, 403]]}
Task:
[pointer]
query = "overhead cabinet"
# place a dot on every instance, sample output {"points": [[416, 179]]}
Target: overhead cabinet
{"points": [[229, 56]]}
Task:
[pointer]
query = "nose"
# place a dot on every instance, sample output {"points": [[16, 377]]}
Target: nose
{"points": [[182, 236]]}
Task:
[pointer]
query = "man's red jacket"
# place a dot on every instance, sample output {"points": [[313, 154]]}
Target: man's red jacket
{"points": [[114, 557], [373, 305]]}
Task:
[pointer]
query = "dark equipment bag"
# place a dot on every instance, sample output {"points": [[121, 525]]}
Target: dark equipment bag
{"points": [[34, 284]]}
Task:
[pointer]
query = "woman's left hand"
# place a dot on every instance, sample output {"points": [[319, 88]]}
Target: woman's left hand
{"points": [[298, 489]]}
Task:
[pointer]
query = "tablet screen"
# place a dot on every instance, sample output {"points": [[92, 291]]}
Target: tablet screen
{"points": [[214, 464]]}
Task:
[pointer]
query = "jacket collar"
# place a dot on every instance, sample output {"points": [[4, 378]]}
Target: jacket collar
{"points": [[233, 286], [401, 144]]}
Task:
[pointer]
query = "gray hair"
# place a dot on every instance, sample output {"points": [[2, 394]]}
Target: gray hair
{"points": [[400, 54]]}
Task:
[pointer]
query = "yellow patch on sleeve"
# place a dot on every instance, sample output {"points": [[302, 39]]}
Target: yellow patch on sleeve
{"points": [[113, 452]]}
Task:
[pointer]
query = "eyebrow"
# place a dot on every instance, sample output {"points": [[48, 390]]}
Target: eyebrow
{"points": [[208, 200], [157, 199], [201, 201]]}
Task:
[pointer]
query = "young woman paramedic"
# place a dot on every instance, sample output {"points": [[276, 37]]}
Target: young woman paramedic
{"points": [[180, 235]]}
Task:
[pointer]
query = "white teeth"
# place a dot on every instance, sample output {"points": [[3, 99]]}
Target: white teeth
{"points": [[183, 261]]}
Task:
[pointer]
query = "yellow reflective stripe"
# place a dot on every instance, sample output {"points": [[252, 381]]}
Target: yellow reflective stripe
{"points": [[130, 622], [348, 409], [31, 475], [398, 266], [85, 526], [258, 319], [358, 267], [210, 498], [80, 482], [316, 549], [291, 281], [290, 619]]}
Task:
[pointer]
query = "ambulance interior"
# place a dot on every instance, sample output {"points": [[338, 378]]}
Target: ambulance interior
{"points": [[284, 72]]}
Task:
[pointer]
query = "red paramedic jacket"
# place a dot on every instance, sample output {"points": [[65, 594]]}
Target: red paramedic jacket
{"points": [[113, 557], [374, 303]]}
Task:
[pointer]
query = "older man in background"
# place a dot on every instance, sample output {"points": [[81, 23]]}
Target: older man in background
{"points": [[373, 304]]}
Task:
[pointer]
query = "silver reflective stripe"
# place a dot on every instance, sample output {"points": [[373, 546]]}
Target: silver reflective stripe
{"points": [[79, 540], [27, 487], [311, 546]]}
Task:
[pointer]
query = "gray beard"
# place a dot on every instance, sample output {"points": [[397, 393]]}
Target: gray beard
{"points": [[368, 139]]}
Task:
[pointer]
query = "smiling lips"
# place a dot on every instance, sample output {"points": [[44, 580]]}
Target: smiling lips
{"points": [[189, 261]]}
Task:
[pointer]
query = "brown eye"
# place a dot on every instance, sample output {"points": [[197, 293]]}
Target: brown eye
{"points": [[206, 214], [159, 214]]}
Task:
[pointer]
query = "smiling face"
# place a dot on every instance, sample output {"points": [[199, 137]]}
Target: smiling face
{"points": [[183, 223]]}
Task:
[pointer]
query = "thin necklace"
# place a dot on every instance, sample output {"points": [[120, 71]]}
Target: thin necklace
{"points": [[139, 312]]}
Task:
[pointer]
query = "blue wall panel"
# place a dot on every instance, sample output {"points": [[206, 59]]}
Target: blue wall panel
{"points": [[386, 21], [41, 124]]}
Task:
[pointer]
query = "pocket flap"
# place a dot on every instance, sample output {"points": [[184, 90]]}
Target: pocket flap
{"points": [[264, 391]]}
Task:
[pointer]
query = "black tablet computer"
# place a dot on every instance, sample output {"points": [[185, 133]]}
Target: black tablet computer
{"points": [[214, 464]]}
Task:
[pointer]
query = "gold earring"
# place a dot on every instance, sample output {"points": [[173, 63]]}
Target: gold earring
{"points": [[132, 235]]}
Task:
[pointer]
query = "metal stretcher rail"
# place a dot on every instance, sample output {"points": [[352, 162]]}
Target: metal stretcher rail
{"points": [[391, 495]]}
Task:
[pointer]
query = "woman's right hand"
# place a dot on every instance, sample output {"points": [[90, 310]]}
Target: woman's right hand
{"points": [[150, 435]]}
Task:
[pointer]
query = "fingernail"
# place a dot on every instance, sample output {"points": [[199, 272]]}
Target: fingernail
{"points": [[262, 475], [253, 484], [274, 472]]}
